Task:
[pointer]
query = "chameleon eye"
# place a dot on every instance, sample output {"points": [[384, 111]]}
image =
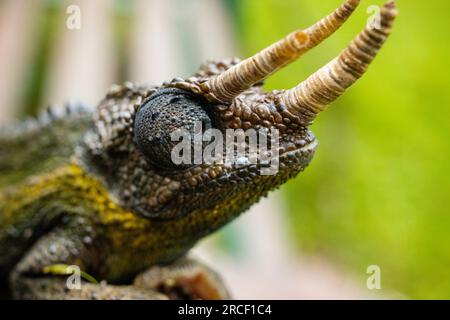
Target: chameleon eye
{"points": [[165, 111]]}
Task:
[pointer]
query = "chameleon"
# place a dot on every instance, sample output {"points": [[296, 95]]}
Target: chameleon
{"points": [[97, 188]]}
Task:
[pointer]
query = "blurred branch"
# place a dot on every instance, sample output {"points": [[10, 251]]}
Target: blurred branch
{"points": [[36, 80]]}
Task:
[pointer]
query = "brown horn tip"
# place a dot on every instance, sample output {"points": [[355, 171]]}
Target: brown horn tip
{"points": [[328, 25]]}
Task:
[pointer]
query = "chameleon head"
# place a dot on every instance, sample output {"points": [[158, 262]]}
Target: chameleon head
{"points": [[225, 99]]}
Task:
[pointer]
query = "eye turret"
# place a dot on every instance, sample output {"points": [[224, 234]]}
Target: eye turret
{"points": [[164, 112]]}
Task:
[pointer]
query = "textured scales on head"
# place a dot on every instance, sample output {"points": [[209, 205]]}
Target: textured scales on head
{"points": [[129, 147]]}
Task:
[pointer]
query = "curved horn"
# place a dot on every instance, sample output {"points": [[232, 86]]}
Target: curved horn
{"points": [[242, 76], [327, 84]]}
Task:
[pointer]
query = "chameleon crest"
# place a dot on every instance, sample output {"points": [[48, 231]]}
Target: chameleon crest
{"points": [[101, 191]]}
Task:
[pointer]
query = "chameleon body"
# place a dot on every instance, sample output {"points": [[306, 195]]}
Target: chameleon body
{"points": [[98, 189]]}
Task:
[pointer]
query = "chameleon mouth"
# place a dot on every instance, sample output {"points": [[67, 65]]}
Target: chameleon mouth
{"points": [[300, 151], [308, 147], [300, 155], [304, 144]]}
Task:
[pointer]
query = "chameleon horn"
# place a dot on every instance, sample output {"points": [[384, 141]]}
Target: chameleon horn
{"points": [[242, 76], [314, 94]]}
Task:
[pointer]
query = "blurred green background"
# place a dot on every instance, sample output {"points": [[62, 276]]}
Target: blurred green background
{"points": [[377, 192]]}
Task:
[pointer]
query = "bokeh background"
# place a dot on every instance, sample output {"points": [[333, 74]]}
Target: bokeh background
{"points": [[378, 190]]}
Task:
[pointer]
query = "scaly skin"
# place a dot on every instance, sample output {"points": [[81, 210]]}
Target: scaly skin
{"points": [[99, 189], [77, 200], [106, 239]]}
